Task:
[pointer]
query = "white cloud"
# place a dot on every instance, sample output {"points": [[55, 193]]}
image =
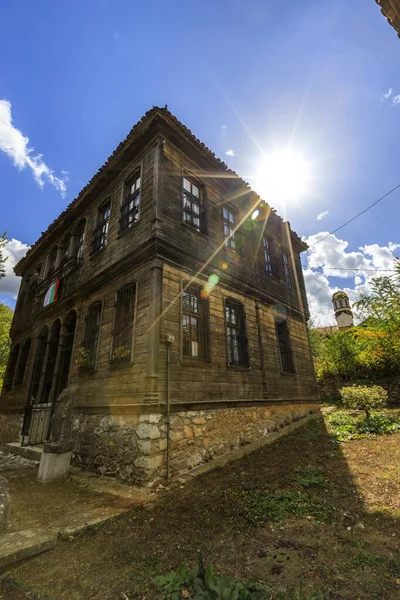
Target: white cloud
{"points": [[387, 95], [14, 251], [396, 99], [224, 129], [322, 215], [230, 153], [357, 266], [15, 144]]}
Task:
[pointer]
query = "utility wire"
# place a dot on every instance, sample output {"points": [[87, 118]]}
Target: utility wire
{"points": [[356, 217], [343, 269]]}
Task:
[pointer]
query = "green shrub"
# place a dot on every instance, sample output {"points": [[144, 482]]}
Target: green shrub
{"points": [[204, 584], [362, 397], [346, 427]]}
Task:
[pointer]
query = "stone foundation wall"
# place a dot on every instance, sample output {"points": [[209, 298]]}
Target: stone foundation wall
{"points": [[10, 428], [133, 447]]}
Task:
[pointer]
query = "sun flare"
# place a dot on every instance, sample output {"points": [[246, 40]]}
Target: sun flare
{"points": [[282, 176]]}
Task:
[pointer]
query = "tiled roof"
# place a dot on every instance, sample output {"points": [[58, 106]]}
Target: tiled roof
{"points": [[143, 122], [391, 10]]}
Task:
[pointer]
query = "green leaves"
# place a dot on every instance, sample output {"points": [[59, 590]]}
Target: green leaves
{"points": [[203, 584], [362, 397]]}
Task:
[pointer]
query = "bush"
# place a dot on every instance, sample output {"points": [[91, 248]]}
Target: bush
{"points": [[362, 397]]}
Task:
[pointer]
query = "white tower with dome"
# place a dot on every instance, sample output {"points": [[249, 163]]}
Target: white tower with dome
{"points": [[342, 308]]}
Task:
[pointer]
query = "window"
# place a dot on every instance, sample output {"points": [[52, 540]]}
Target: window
{"points": [[195, 335], [52, 261], [52, 352], [64, 250], [39, 363], [287, 268], [236, 334], [12, 363], [285, 347], [23, 360], [340, 303], [123, 325], [79, 237], [88, 350], [192, 208], [268, 249], [131, 203], [100, 233], [20, 301], [229, 228]]}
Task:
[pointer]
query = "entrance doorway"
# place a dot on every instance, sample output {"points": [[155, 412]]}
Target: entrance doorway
{"points": [[49, 377]]}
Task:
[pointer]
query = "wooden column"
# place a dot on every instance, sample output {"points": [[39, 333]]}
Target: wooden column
{"points": [[153, 335]]}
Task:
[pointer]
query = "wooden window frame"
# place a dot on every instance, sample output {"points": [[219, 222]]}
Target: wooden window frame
{"points": [[101, 231], [23, 362], [202, 316], [287, 268], [79, 241], [243, 360], [133, 287], [286, 352], [86, 344], [188, 196], [52, 266], [230, 235], [9, 375], [127, 212], [268, 251]]}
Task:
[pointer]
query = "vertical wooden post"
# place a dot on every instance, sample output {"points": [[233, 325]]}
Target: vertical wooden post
{"points": [[153, 334]]}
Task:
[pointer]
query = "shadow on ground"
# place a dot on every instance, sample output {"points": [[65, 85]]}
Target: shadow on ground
{"points": [[304, 513]]}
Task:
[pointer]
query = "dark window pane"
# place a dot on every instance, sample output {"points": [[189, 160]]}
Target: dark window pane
{"points": [[236, 334], [194, 324]]}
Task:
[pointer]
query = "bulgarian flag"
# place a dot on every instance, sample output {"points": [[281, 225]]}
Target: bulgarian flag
{"points": [[51, 295]]}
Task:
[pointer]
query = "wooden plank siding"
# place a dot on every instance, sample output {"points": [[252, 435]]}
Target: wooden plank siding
{"points": [[160, 253]]}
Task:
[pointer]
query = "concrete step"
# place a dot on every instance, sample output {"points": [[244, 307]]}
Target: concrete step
{"points": [[24, 544], [31, 452]]}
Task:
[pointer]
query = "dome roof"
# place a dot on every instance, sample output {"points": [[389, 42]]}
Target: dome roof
{"points": [[339, 294]]}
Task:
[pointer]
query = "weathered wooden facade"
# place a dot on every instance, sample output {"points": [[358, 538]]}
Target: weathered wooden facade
{"points": [[160, 286]]}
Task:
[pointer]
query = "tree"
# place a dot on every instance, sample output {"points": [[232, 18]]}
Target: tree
{"points": [[6, 315], [3, 242], [383, 303]]}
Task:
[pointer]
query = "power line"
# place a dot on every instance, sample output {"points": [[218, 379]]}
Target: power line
{"points": [[344, 269], [356, 217]]}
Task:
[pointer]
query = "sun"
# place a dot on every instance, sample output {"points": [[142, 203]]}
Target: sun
{"points": [[283, 176]]}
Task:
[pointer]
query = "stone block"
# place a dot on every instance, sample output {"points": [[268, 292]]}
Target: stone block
{"points": [[129, 457], [199, 421], [150, 418], [198, 431], [149, 463], [23, 544], [188, 431], [148, 431], [54, 467], [5, 499]]}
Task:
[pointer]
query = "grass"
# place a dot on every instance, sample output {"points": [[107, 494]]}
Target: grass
{"points": [[308, 518]]}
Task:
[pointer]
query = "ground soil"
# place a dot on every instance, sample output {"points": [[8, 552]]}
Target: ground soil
{"points": [[333, 532]]}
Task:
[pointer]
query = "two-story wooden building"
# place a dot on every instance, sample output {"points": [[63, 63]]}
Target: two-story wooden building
{"points": [[166, 286]]}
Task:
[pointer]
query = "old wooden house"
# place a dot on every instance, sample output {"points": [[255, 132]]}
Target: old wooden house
{"points": [[172, 298]]}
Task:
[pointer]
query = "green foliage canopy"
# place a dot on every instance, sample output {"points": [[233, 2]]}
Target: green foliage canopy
{"points": [[370, 350], [6, 315]]}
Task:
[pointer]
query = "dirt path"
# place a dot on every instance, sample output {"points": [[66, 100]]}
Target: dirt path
{"points": [[303, 511]]}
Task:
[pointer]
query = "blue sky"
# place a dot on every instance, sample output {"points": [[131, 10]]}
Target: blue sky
{"points": [[244, 76]]}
